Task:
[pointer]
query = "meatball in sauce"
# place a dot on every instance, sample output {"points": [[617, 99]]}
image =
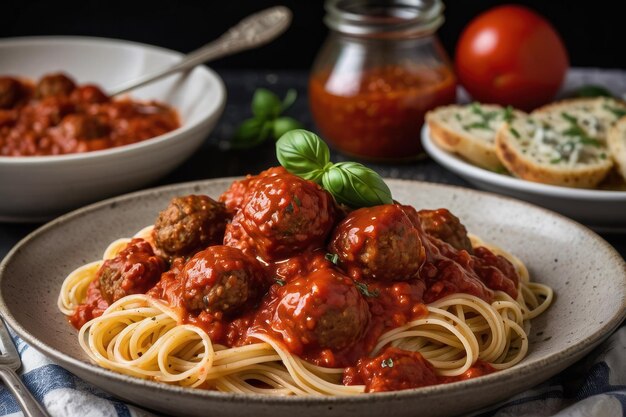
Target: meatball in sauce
{"points": [[378, 243], [189, 224], [282, 216]]}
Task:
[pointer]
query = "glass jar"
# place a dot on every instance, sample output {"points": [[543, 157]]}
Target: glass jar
{"points": [[380, 70]]}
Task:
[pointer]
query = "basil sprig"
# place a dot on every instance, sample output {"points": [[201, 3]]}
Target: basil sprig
{"points": [[306, 155], [267, 120]]}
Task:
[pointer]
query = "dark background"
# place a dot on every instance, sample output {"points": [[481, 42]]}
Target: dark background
{"points": [[592, 31]]}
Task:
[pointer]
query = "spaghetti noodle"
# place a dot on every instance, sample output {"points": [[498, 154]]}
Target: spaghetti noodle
{"points": [[143, 336]]}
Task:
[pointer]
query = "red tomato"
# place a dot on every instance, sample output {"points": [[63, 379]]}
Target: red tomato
{"points": [[511, 55]]}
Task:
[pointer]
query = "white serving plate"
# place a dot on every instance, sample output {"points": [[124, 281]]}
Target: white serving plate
{"points": [[602, 210]]}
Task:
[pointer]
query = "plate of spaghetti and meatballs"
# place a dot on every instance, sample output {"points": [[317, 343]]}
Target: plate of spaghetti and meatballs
{"points": [[313, 287]]}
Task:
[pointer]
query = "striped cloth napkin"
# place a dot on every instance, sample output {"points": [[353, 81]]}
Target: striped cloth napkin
{"points": [[595, 386]]}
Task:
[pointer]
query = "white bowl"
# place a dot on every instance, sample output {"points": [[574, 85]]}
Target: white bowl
{"points": [[39, 188], [602, 210]]}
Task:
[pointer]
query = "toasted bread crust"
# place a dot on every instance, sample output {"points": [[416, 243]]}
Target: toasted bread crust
{"points": [[616, 142], [470, 147]]}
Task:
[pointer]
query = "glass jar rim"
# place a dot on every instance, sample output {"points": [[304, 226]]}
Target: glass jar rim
{"points": [[385, 18]]}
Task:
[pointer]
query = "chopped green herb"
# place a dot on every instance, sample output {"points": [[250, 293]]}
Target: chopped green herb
{"points": [[297, 200], [590, 141], [362, 287], [556, 160], [289, 208], [619, 113], [387, 363], [477, 125], [569, 118], [508, 114], [475, 107], [332, 257], [602, 155], [577, 131], [280, 282], [457, 116], [514, 132]]}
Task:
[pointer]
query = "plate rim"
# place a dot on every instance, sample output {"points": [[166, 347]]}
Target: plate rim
{"points": [[573, 351]]}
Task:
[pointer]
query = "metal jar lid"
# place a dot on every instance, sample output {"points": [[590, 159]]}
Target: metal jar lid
{"points": [[384, 18]]}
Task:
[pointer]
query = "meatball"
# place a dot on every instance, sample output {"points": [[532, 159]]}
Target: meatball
{"points": [[133, 271], [235, 196], [286, 214], [321, 310], [89, 94], [82, 126], [54, 85], [221, 278], [392, 370], [445, 226], [378, 243], [10, 92], [189, 224]]}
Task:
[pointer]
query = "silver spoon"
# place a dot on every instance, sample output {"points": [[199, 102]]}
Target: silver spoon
{"points": [[255, 30]]}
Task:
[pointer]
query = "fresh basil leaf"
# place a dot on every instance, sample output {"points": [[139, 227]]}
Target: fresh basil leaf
{"points": [[248, 134], [289, 99], [592, 91], [266, 104], [303, 153], [356, 185], [283, 125]]}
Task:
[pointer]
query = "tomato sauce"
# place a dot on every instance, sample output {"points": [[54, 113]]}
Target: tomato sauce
{"points": [[378, 114], [56, 117], [320, 311]]}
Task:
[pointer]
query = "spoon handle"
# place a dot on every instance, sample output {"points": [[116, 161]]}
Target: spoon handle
{"points": [[255, 30]]}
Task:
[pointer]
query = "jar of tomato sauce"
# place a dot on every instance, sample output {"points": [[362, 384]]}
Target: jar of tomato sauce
{"points": [[380, 70]]}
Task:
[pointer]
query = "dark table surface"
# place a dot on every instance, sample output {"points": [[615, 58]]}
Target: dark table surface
{"points": [[212, 161]]}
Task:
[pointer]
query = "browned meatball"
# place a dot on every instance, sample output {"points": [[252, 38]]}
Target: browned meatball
{"points": [[189, 224], [379, 243], [133, 271], [445, 226], [322, 310], [221, 278], [286, 214], [10, 92], [89, 94], [239, 191], [82, 126], [54, 85]]}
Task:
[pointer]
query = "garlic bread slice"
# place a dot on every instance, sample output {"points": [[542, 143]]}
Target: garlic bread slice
{"points": [[565, 146], [470, 130]]}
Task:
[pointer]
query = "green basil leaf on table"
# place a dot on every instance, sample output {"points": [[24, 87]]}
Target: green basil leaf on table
{"points": [[303, 153], [284, 124], [289, 99], [266, 104], [248, 134], [356, 185]]}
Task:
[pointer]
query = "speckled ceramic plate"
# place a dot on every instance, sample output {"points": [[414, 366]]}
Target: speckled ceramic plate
{"points": [[602, 210], [588, 276]]}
